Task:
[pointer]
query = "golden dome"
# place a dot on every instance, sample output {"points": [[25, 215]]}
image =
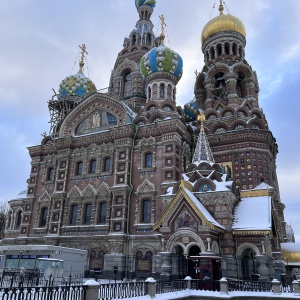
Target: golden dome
{"points": [[223, 23]]}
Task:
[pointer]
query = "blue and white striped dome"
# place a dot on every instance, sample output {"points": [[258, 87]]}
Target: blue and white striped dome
{"points": [[161, 59]]}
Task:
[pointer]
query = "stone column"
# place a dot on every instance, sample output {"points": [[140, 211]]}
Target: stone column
{"points": [[92, 291], [263, 270], [166, 267], [224, 286], [151, 287], [276, 287], [270, 265]]}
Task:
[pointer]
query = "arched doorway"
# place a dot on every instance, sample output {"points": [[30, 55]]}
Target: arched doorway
{"points": [[248, 264], [194, 251]]}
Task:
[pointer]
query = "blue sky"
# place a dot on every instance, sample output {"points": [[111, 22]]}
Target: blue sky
{"points": [[39, 45]]}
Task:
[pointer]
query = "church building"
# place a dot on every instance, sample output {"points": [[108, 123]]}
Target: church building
{"points": [[149, 188]]}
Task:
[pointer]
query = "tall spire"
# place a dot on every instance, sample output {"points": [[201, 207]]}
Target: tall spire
{"points": [[202, 151]]}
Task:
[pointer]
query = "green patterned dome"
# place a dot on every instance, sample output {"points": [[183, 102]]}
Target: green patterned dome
{"points": [[76, 85], [139, 3], [162, 59]]}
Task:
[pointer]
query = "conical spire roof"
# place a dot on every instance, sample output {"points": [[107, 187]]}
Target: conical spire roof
{"points": [[203, 152]]}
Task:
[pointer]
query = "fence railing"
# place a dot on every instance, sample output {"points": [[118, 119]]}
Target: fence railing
{"points": [[28, 281], [123, 290], [255, 286], [44, 293]]}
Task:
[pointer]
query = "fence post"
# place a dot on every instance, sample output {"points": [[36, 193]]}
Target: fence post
{"points": [[296, 287], [92, 291], [276, 287], [151, 286], [223, 286], [189, 282]]}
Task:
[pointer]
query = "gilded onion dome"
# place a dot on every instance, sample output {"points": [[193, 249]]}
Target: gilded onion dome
{"points": [[161, 59], [139, 3], [223, 23]]}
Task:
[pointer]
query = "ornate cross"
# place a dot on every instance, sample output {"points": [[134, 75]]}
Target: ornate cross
{"points": [[163, 26], [83, 52]]}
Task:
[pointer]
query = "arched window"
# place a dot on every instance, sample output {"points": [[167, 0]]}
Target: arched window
{"points": [[149, 93], [106, 166], [148, 41], [93, 164], [44, 216], [146, 211], [79, 167], [148, 160], [74, 213], [88, 214], [102, 213], [50, 174], [162, 91], [127, 85], [19, 217]]}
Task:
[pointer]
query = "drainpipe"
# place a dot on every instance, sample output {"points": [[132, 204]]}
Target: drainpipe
{"points": [[129, 202]]}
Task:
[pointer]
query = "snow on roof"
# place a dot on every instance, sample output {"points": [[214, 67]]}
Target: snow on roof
{"points": [[290, 247], [202, 209], [169, 191], [222, 186], [263, 186], [253, 213]]}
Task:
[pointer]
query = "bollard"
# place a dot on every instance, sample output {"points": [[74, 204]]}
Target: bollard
{"points": [[151, 286], [223, 286], [189, 282], [276, 287], [92, 292], [296, 287]]}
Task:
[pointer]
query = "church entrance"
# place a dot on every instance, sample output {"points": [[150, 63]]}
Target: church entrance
{"points": [[192, 265], [248, 264]]}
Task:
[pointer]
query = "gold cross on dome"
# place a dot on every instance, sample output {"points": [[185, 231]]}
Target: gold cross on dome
{"points": [[83, 52], [163, 27]]}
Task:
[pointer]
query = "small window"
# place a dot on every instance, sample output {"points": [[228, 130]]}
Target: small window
{"points": [[93, 164], [162, 91], [102, 214], [79, 167], [146, 211], [106, 167], [148, 160], [50, 174], [44, 217], [88, 214], [74, 215]]}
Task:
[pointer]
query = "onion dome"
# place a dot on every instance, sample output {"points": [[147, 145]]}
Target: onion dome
{"points": [[161, 59], [223, 23], [190, 110], [139, 3], [76, 85]]}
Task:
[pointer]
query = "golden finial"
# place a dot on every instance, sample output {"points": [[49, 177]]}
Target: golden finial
{"points": [[201, 118], [163, 26], [221, 7], [83, 52]]}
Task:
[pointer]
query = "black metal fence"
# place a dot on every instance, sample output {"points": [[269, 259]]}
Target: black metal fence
{"points": [[255, 286], [122, 290], [14, 280], [44, 293]]}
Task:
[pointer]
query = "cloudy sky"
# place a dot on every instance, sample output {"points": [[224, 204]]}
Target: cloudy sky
{"points": [[39, 46]]}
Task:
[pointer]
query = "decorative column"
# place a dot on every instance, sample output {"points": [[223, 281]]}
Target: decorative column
{"points": [[231, 81], [263, 270], [208, 101], [166, 267]]}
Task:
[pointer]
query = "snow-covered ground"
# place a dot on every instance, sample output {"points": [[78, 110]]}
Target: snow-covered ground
{"points": [[198, 294]]}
